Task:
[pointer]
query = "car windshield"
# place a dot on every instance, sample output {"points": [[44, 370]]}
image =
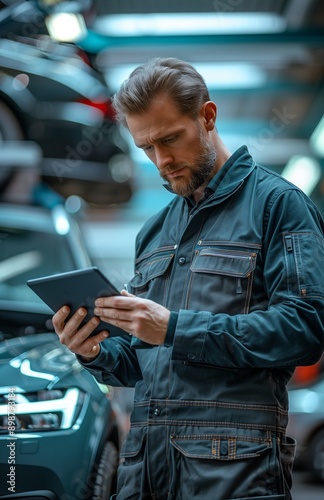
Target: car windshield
{"points": [[27, 254]]}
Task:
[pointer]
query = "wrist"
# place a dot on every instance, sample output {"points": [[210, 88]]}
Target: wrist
{"points": [[88, 359]]}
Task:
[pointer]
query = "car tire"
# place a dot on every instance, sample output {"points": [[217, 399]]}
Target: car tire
{"points": [[106, 473], [316, 456], [10, 128]]}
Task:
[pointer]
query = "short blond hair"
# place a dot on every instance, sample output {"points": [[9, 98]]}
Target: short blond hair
{"points": [[179, 79]]}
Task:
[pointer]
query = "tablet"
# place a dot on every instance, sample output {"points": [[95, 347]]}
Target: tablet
{"points": [[79, 288]]}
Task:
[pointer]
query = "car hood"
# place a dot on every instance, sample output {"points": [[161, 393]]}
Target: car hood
{"points": [[37, 362]]}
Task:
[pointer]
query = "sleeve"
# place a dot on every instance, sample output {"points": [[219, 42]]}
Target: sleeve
{"points": [[290, 331], [116, 364]]}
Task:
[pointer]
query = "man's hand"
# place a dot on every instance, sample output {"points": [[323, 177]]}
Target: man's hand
{"points": [[141, 318], [75, 338]]}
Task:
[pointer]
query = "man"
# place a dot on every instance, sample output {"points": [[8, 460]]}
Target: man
{"points": [[227, 299]]}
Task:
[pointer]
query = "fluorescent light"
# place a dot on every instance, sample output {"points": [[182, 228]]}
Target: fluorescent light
{"points": [[231, 75], [317, 138], [195, 23], [216, 75], [304, 172], [66, 27]]}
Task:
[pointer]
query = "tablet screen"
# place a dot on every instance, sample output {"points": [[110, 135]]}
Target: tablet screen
{"points": [[79, 288]]}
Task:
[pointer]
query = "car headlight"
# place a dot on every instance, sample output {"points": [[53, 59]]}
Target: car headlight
{"points": [[41, 411]]}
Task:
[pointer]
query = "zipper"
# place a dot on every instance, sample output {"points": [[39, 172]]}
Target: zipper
{"points": [[229, 244], [289, 243], [161, 250], [236, 255]]}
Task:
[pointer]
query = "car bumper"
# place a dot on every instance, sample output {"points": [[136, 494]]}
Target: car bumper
{"points": [[57, 462]]}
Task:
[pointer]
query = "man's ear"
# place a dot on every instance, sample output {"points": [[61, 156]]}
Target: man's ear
{"points": [[209, 114]]}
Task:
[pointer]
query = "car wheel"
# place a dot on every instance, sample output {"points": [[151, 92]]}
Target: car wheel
{"points": [[10, 128], [105, 473], [316, 455]]}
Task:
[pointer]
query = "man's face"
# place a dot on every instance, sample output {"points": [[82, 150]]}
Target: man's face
{"points": [[178, 145]]}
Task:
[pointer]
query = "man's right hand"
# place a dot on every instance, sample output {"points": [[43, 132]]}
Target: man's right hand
{"points": [[77, 338]]}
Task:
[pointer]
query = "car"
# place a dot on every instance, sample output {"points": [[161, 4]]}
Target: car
{"points": [[306, 425], [59, 431], [51, 94]]}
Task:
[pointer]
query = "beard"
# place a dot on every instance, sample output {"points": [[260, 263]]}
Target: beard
{"points": [[200, 170]]}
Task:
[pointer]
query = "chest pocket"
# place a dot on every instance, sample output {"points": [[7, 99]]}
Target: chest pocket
{"points": [[151, 278], [221, 281]]}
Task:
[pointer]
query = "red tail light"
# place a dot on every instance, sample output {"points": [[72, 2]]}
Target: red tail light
{"points": [[104, 106]]}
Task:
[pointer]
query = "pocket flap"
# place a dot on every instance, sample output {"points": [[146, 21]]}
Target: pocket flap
{"points": [[238, 264], [150, 269], [220, 446]]}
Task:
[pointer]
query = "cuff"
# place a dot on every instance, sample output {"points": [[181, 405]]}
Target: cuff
{"points": [[171, 329]]}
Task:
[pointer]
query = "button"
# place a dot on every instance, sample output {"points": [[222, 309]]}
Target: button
{"points": [[157, 412], [224, 449], [182, 260], [191, 356]]}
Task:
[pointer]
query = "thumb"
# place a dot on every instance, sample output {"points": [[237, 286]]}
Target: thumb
{"points": [[125, 293]]}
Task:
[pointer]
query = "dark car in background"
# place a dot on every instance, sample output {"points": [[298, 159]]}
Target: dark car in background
{"points": [[59, 434], [51, 94], [306, 425]]}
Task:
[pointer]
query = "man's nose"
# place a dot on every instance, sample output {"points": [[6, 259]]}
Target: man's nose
{"points": [[162, 158]]}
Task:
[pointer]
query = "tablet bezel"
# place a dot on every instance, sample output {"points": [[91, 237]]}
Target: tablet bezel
{"points": [[78, 288]]}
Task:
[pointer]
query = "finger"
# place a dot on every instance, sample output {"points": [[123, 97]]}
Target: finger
{"points": [[91, 347], [124, 324], [111, 314], [117, 302], [97, 339], [82, 339], [73, 324], [59, 318]]}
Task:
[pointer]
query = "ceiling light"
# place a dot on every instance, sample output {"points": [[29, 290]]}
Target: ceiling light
{"points": [[304, 172], [317, 138], [196, 23], [231, 75], [66, 27], [61, 222], [216, 75]]}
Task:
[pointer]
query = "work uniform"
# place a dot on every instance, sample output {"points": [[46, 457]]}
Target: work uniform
{"points": [[243, 274]]}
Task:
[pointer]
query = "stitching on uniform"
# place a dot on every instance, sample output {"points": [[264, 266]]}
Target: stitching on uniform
{"points": [[209, 423]]}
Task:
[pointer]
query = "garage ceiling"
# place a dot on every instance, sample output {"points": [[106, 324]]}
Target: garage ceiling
{"points": [[267, 80]]}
